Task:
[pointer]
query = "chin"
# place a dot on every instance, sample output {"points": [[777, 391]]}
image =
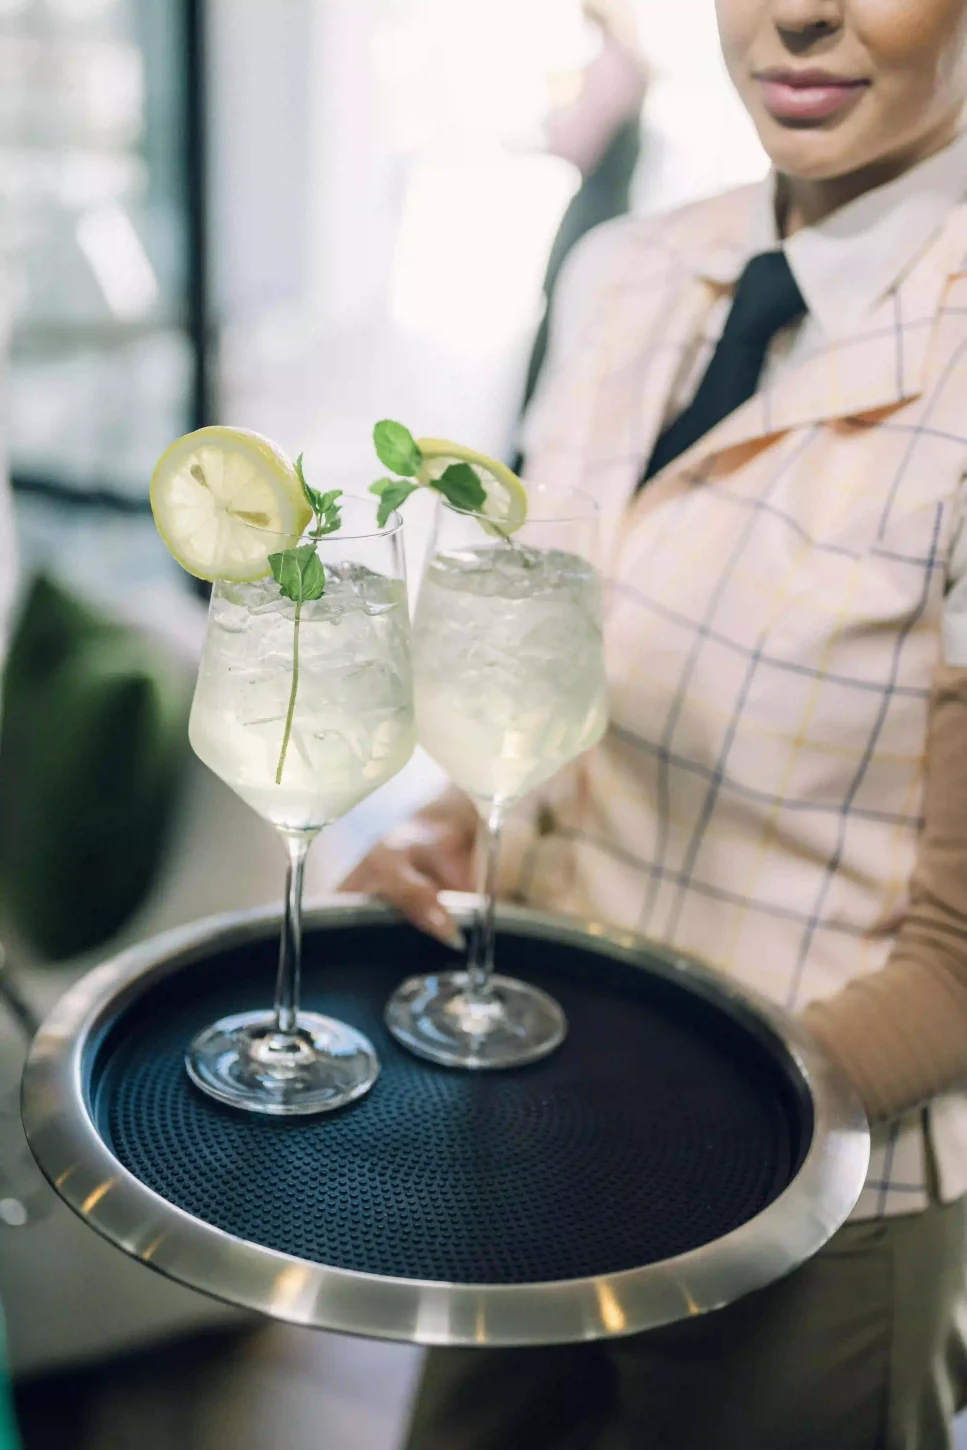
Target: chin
{"points": [[811, 155]]}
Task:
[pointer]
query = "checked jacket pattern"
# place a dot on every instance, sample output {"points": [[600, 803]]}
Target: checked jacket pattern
{"points": [[774, 604]]}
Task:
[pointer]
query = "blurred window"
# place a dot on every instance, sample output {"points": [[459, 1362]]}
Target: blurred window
{"points": [[382, 207], [96, 229]]}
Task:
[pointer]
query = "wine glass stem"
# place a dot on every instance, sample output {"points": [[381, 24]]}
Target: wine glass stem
{"points": [[480, 959], [297, 845]]}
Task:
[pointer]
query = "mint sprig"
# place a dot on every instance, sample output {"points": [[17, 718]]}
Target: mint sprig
{"points": [[325, 506], [399, 451], [391, 492], [300, 575]]}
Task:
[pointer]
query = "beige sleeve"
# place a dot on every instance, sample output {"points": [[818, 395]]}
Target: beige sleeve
{"points": [[901, 1034]]}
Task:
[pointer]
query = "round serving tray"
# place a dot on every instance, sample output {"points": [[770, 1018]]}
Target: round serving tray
{"points": [[686, 1145]]}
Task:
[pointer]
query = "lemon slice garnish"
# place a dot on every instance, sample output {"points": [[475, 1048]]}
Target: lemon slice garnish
{"points": [[506, 496], [223, 499]]}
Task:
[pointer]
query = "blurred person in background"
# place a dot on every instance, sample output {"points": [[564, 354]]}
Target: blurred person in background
{"points": [[766, 394], [8, 565], [599, 131], [8, 586], [8, 577]]}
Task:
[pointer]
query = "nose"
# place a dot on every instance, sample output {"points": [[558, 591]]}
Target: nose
{"points": [[803, 25]]}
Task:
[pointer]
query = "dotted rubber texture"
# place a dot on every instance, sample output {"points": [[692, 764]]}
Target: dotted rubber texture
{"points": [[659, 1126]]}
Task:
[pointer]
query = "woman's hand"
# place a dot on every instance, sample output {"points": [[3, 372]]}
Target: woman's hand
{"points": [[429, 853]]}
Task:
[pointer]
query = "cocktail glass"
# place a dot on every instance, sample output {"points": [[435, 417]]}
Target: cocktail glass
{"points": [[304, 709], [510, 686]]}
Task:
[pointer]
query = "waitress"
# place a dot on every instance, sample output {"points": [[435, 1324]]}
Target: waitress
{"points": [[783, 790]]}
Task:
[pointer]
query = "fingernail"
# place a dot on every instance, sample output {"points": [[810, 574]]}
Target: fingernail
{"points": [[446, 929]]}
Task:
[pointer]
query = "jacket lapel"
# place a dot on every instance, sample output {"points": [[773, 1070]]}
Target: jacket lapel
{"points": [[654, 312], [880, 365], [636, 372]]}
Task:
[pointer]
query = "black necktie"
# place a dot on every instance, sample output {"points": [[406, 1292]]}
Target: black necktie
{"points": [[767, 298]]}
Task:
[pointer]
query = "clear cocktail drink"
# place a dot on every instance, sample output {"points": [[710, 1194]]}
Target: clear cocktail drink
{"points": [[509, 678], [508, 666], [352, 719]]}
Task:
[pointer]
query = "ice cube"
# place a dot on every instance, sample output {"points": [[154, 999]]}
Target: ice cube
{"points": [[272, 604], [229, 616]]}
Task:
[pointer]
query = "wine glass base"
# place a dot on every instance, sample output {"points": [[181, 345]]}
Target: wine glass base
{"points": [[244, 1062], [433, 1018]]}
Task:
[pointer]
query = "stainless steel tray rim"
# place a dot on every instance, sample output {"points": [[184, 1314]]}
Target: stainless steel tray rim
{"points": [[116, 1204]]}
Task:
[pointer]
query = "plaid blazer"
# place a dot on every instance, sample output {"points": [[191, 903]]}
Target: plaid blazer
{"points": [[773, 624]]}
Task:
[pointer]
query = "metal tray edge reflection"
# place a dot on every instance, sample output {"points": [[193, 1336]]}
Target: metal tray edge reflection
{"points": [[79, 1165]]}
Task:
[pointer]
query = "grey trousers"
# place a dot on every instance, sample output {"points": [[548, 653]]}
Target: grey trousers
{"points": [[860, 1349]]}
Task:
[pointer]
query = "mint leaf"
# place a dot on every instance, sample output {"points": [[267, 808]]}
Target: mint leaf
{"points": [[460, 485], [323, 505], [329, 518], [313, 495], [299, 573], [396, 448], [391, 492]]}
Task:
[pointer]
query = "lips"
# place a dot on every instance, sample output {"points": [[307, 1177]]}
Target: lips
{"points": [[808, 95]]}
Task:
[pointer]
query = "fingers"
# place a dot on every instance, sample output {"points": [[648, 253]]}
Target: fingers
{"points": [[447, 862], [430, 852], [394, 876], [415, 894]]}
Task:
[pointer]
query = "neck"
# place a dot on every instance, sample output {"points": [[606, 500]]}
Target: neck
{"points": [[803, 203]]}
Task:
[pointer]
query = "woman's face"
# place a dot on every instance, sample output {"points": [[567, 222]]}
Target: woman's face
{"points": [[835, 86]]}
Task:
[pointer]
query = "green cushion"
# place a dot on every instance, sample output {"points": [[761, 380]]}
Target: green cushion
{"points": [[92, 754], [9, 1439]]}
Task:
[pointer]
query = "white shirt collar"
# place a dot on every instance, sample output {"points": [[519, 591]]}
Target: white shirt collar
{"points": [[848, 262]]}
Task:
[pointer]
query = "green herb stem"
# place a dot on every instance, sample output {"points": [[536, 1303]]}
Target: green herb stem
{"points": [[292, 693]]}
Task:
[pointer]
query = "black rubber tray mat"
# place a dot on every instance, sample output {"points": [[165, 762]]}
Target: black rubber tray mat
{"points": [[660, 1125]]}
